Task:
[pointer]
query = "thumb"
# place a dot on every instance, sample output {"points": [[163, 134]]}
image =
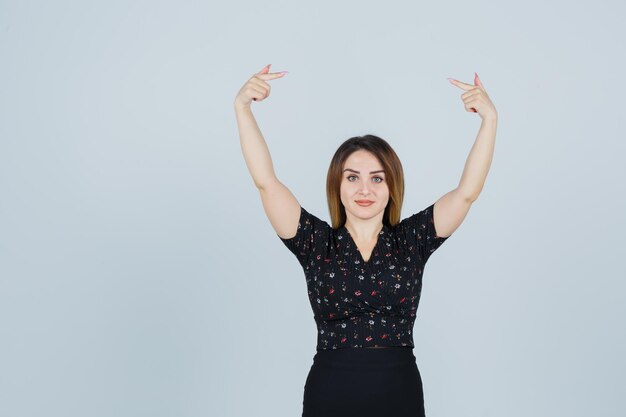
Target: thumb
{"points": [[265, 69], [477, 81]]}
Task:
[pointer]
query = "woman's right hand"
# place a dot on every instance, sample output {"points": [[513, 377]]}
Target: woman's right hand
{"points": [[256, 88]]}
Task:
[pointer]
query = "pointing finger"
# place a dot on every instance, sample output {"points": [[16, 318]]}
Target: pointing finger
{"points": [[265, 75], [461, 85], [271, 76]]}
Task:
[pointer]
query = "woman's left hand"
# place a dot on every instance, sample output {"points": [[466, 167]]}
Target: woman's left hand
{"points": [[476, 99]]}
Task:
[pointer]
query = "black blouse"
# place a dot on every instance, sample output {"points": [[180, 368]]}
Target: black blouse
{"points": [[364, 304]]}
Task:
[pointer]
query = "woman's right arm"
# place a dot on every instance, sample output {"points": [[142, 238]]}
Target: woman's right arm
{"points": [[280, 205]]}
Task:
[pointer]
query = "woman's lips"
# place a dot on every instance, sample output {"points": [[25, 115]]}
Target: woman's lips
{"points": [[364, 203]]}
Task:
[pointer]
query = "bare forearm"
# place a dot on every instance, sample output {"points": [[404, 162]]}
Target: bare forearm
{"points": [[479, 160], [254, 148]]}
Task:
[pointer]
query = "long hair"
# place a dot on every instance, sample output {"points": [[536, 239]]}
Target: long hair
{"points": [[394, 176]]}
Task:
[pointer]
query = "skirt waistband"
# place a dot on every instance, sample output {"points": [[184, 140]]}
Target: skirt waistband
{"points": [[373, 358]]}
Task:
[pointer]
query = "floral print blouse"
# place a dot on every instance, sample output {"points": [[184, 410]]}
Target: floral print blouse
{"points": [[358, 303]]}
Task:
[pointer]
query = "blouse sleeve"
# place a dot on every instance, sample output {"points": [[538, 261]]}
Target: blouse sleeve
{"points": [[311, 237], [419, 229]]}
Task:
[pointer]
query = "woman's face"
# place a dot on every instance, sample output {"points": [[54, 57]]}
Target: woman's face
{"points": [[363, 179]]}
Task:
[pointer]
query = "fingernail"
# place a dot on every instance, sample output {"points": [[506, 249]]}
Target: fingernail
{"points": [[451, 79], [284, 72]]}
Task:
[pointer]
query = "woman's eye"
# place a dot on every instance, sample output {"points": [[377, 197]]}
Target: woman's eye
{"points": [[376, 178]]}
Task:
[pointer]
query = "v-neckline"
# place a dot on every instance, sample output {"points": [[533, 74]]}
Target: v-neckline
{"points": [[355, 248]]}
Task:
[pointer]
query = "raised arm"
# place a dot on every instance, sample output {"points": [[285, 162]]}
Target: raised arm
{"points": [[450, 209], [280, 205]]}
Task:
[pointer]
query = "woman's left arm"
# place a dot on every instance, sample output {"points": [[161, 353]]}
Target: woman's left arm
{"points": [[452, 207]]}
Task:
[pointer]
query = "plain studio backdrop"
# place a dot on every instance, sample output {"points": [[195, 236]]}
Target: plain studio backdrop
{"points": [[140, 276]]}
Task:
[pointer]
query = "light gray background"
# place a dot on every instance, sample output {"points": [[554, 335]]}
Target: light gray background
{"points": [[141, 277]]}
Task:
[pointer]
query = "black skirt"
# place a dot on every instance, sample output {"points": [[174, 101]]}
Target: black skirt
{"points": [[364, 382]]}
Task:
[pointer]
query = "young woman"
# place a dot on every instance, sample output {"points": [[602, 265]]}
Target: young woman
{"points": [[364, 273]]}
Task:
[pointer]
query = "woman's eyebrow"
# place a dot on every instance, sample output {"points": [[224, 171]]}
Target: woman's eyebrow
{"points": [[371, 172]]}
